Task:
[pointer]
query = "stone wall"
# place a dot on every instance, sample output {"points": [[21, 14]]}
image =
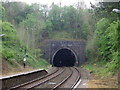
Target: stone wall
{"points": [[52, 46]]}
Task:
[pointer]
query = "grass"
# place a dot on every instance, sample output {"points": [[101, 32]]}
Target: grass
{"points": [[101, 69], [13, 50], [37, 63]]}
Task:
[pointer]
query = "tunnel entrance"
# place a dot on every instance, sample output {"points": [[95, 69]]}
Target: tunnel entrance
{"points": [[64, 57]]}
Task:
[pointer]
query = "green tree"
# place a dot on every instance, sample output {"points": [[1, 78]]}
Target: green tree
{"points": [[55, 17], [2, 13]]}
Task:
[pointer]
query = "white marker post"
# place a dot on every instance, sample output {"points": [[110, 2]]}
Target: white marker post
{"points": [[2, 35], [116, 10]]}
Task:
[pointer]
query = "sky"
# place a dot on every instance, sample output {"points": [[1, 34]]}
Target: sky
{"points": [[63, 2]]}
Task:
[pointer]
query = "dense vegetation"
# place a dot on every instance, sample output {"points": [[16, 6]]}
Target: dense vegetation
{"points": [[28, 26], [103, 50], [13, 50]]}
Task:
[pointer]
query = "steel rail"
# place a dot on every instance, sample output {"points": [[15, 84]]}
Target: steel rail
{"points": [[57, 74], [21, 85], [62, 82], [77, 80], [45, 80], [75, 83]]}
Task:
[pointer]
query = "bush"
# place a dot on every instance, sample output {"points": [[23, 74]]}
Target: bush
{"points": [[104, 47], [7, 54], [13, 51]]}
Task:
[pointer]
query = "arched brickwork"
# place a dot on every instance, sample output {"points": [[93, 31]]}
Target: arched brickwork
{"points": [[51, 47]]}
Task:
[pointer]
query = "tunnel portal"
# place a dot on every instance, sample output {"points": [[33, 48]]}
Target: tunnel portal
{"points": [[64, 57], [54, 51]]}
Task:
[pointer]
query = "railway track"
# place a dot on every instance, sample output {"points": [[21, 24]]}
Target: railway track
{"points": [[43, 79], [70, 81], [65, 77]]}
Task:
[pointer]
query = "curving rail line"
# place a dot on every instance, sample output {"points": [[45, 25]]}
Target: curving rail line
{"points": [[66, 80], [59, 85], [26, 85], [78, 80], [70, 81], [46, 80]]}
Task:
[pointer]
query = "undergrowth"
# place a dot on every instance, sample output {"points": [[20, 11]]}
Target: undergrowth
{"points": [[13, 50], [102, 69], [103, 49]]}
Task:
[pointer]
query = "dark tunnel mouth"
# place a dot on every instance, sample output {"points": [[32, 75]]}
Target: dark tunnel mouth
{"points": [[64, 57]]}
